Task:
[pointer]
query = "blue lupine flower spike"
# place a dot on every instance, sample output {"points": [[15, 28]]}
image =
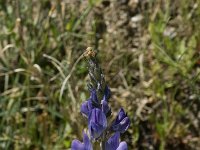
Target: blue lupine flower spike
{"points": [[97, 110]]}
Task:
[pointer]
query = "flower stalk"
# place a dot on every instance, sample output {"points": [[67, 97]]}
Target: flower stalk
{"points": [[103, 142]]}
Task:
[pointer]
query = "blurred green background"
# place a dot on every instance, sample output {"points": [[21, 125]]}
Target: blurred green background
{"points": [[150, 54]]}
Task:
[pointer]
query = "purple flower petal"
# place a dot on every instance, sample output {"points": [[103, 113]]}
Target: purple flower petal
{"points": [[113, 142], [86, 145], [77, 145], [86, 107], [93, 96], [95, 130], [107, 93], [122, 146], [97, 122], [122, 126], [121, 114], [121, 123], [105, 108]]}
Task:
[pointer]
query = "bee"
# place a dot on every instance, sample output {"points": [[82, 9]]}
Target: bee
{"points": [[89, 53]]}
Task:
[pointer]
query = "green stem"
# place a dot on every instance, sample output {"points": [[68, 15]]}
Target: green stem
{"points": [[103, 145], [103, 142]]}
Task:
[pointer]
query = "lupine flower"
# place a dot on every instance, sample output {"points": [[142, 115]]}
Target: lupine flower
{"points": [[86, 145], [96, 109], [113, 143], [121, 123], [97, 123]]}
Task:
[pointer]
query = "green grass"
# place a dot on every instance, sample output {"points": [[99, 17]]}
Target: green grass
{"points": [[152, 67]]}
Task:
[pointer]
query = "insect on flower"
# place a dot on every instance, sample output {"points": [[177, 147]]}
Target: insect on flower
{"points": [[89, 53]]}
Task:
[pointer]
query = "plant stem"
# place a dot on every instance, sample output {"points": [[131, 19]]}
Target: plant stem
{"points": [[103, 142], [103, 145]]}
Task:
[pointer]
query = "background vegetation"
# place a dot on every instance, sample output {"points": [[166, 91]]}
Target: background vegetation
{"points": [[149, 51]]}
